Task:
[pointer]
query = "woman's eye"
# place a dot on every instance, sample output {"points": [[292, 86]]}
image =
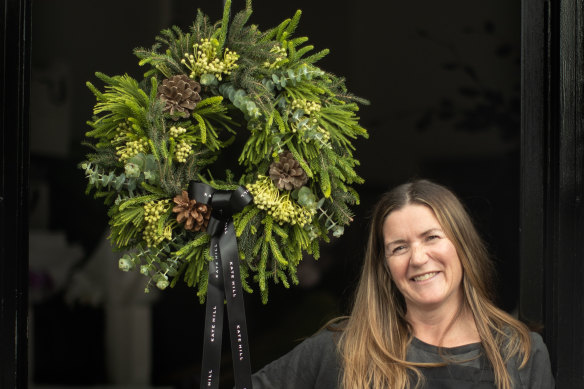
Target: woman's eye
{"points": [[398, 249], [432, 237]]}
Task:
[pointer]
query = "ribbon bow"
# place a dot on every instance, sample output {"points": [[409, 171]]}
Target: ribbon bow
{"points": [[224, 284]]}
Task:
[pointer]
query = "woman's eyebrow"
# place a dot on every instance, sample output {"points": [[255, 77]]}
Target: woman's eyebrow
{"points": [[425, 233], [395, 242], [430, 231]]}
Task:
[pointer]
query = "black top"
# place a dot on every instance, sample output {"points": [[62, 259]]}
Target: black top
{"points": [[315, 363]]}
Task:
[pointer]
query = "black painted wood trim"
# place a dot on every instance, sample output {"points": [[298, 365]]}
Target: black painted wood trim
{"points": [[15, 17], [566, 317], [533, 160], [552, 188]]}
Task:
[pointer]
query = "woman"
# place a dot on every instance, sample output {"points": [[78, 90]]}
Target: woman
{"points": [[423, 315]]}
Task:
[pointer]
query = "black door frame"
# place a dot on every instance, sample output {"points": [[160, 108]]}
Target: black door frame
{"points": [[552, 188], [552, 184], [15, 17]]}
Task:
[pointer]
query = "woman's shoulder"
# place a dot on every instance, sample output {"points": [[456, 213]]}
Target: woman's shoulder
{"points": [[539, 352], [537, 342], [313, 363], [324, 340], [537, 372]]}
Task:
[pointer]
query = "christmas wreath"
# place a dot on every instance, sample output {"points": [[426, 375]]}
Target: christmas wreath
{"points": [[207, 92]]}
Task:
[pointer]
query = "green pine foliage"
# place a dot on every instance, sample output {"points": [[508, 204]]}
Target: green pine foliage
{"points": [[262, 90]]}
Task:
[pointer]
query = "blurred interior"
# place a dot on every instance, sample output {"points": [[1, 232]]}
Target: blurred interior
{"points": [[443, 81]]}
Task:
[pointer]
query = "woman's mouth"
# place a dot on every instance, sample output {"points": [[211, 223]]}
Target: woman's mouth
{"points": [[424, 277]]}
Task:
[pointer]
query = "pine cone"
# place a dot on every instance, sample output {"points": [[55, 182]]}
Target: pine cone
{"points": [[287, 173], [194, 215], [180, 94]]}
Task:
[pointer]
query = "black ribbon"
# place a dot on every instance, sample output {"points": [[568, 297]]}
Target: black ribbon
{"points": [[224, 284]]}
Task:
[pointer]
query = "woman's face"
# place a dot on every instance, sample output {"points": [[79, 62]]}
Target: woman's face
{"points": [[422, 261]]}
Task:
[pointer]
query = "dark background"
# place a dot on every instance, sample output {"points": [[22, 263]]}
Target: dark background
{"points": [[443, 80]]}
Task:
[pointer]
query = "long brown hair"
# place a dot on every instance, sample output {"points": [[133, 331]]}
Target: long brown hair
{"points": [[374, 342]]}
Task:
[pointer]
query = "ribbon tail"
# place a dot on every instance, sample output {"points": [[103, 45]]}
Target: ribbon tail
{"points": [[210, 369], [235, 307], [224, 283]]}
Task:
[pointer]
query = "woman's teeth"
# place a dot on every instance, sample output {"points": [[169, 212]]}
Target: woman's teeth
{"points": [[425, 276]]}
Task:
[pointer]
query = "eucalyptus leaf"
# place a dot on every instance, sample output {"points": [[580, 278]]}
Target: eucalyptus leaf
{"points": [[150, 163], [298, 113], [131, 186], [338, 231], [139, 160], [270, 85], [107, 179], [120, 182], [209, 79], [303, 123]]}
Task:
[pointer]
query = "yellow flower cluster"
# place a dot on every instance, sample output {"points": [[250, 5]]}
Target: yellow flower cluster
{"points": [[284, 210], [175, 132], [312, 108], [309, 107], [123, 126], [183, 150], [153, 211], [281, 55], [205, 60], [130, 148], [325, 135]]}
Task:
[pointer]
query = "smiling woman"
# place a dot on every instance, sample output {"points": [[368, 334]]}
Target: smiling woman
{"points": [[425, 268], [451, 308], [423, 315]]}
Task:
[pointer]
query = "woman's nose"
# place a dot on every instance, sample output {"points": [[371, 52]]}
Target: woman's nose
{"points": [[418, 256]]}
